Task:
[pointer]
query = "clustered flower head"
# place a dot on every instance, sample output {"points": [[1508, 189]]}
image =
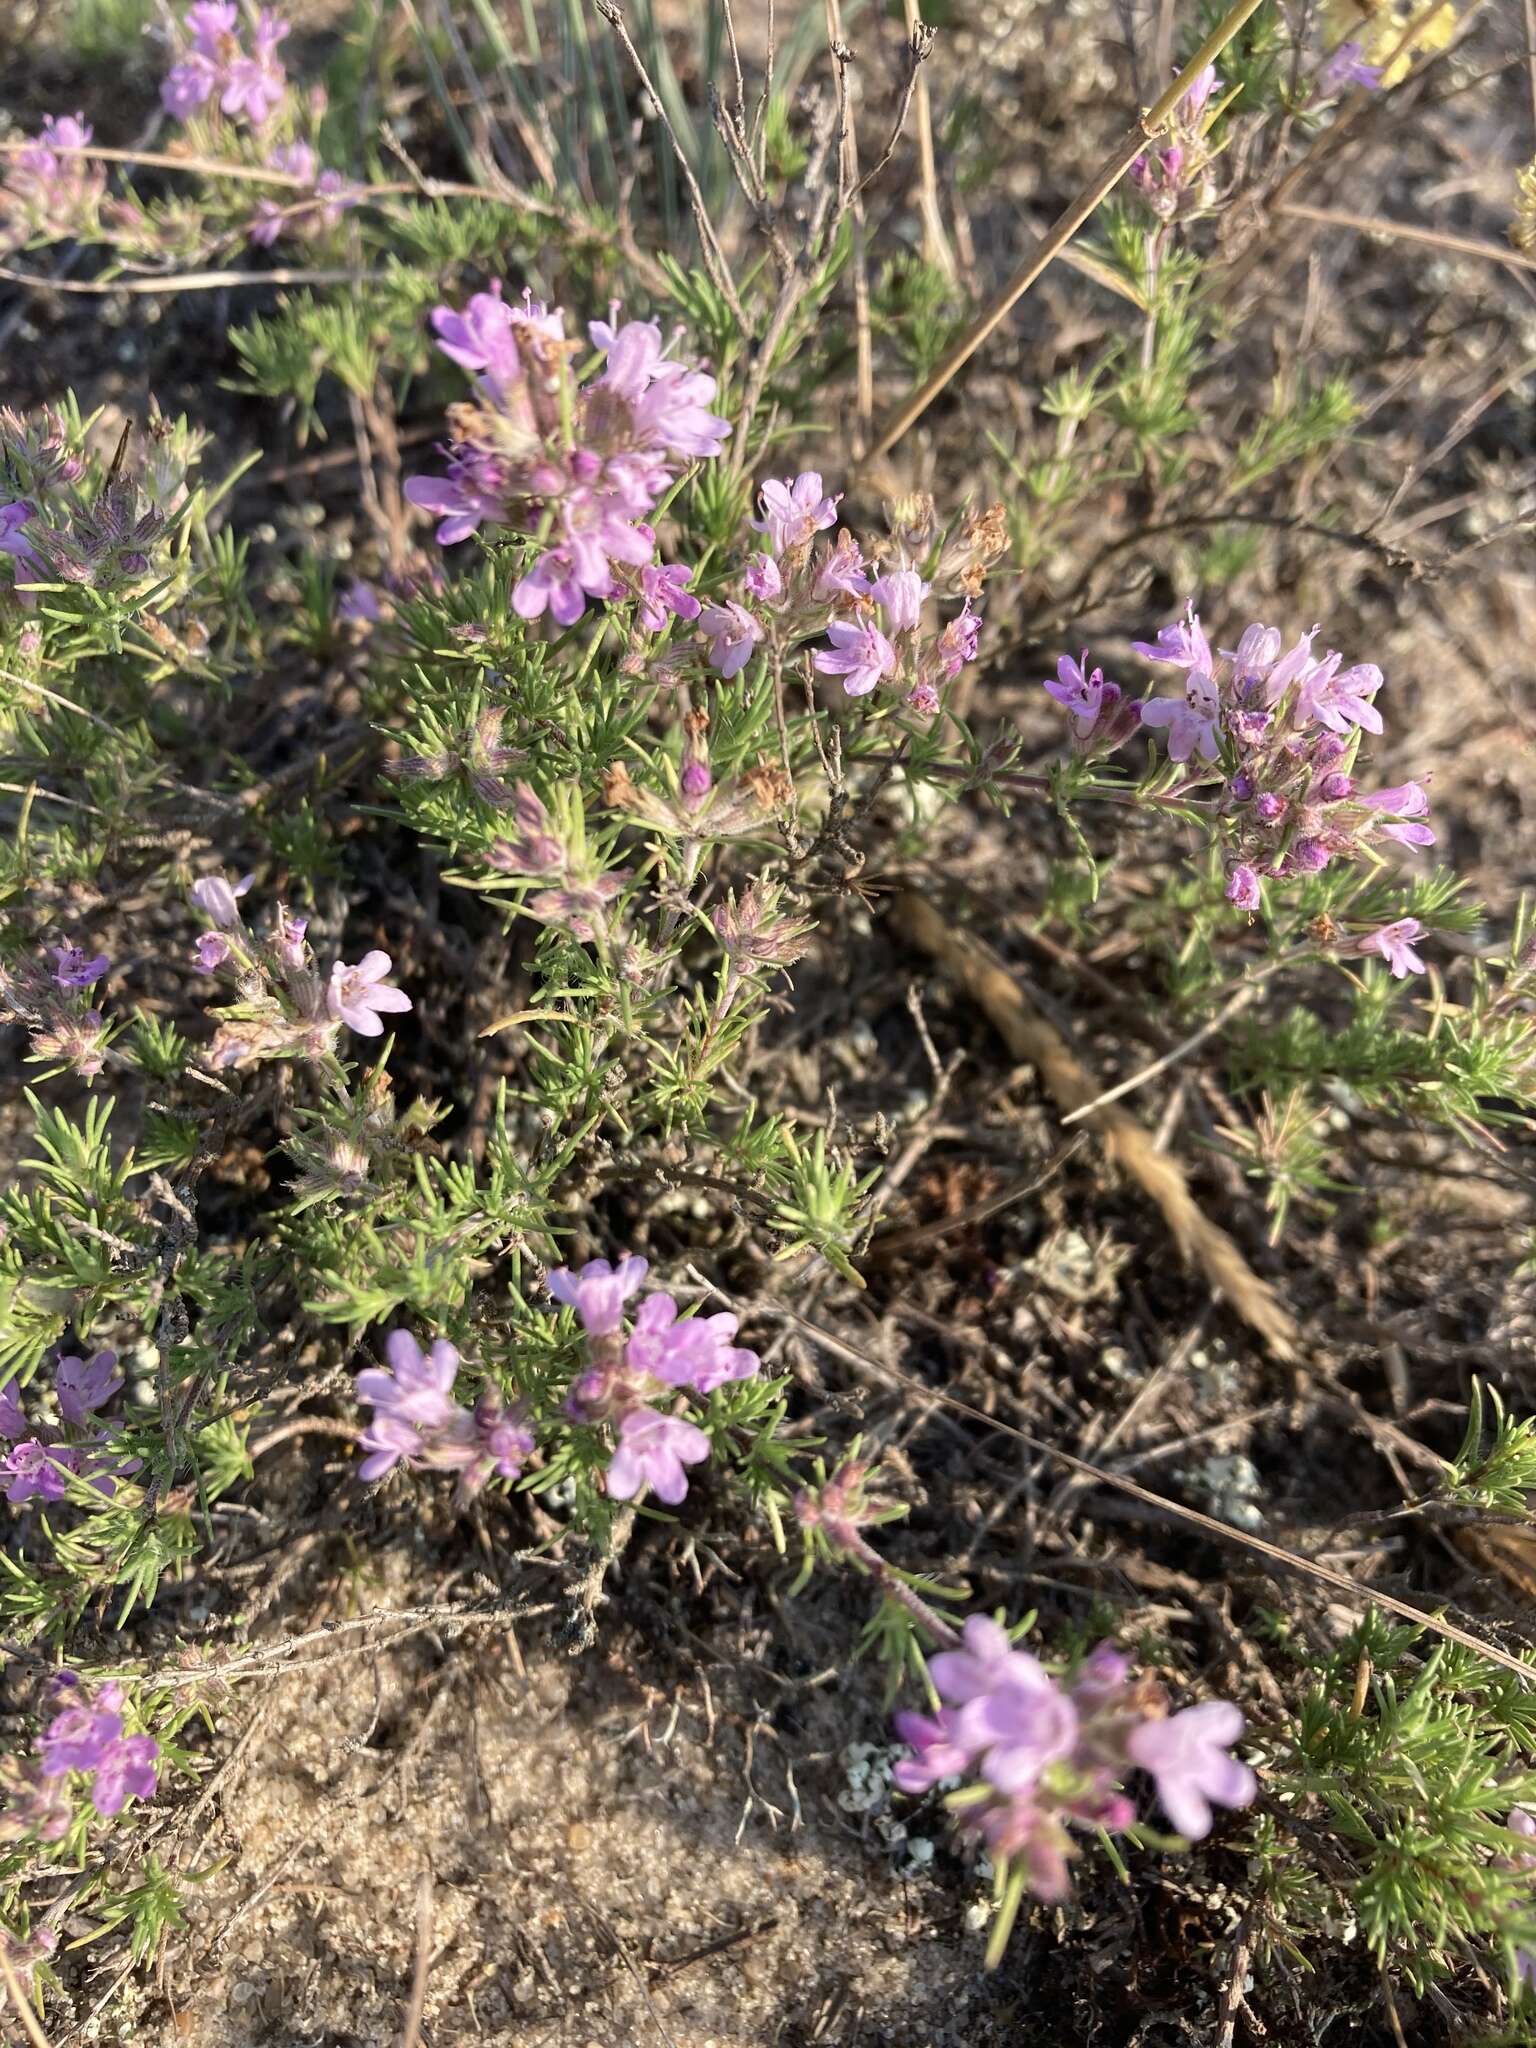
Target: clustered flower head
{"points": [[54, 1004], [1174, 175], [755, 933], [86, 1736], [215, 63], [476, 752], [65, 523], [1039, 1755], [1278, 728], [631, 1381], [42, 1460], [702, 807], [578, 894], [418, 1423], [871, 612], [50, 189], [285, 1009], [581, 465]]}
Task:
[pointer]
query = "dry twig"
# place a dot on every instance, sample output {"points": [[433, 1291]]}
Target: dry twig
{"points": [[1127, 1143]]}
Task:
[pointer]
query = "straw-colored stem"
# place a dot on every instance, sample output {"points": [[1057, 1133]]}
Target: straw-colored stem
{"points": [[1060, 233]]}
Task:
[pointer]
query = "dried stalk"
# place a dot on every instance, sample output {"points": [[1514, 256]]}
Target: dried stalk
{"points": [[1063, 229], [1127, 1143]]}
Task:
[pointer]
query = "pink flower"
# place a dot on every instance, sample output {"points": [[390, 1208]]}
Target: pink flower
{"points": [[255, 85], [413, 1397], [664, 590], [1523, 1824], [13, 1421], [1186, 1755], [361, 604], [128, 1771], [288, 939], [482, 337], [732, 633], [1082, 691], [696, 1352], [331, 192], [212, 24], [551, 585], [762, 580], [653, 1449], [794, 511], [81, 1734], [74, 969], [13, 542], [987, 1660], [35, 1470], [1196, 100], [1021, 1726], [187, 86], [634, 356], [1340, 699], [674, 415], [668, 402], [1395, 944], [842, 573], [1253, 657], [900, 595], [958, 643], [82, 1388], [1181, 644], [386, 1440], [1100, 1678], [1403, 807], [87, 1735], [1190, 727], [1243, 887], [506, 1443], [360, 996], [860, 654], [941, 1753], [217, 899], [598, 1292]]}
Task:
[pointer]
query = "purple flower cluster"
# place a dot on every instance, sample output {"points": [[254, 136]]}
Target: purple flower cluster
{"points": [[582, 465], [627, 1377], [1278, 728], [1038, 1754], [1174, 176], [214, 63], [86, 1735], [417, 1422], [105, 537], [872, 617], [302, 215], [49, 188], [52, 1003], [285, 1009], [41, 1462]]}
